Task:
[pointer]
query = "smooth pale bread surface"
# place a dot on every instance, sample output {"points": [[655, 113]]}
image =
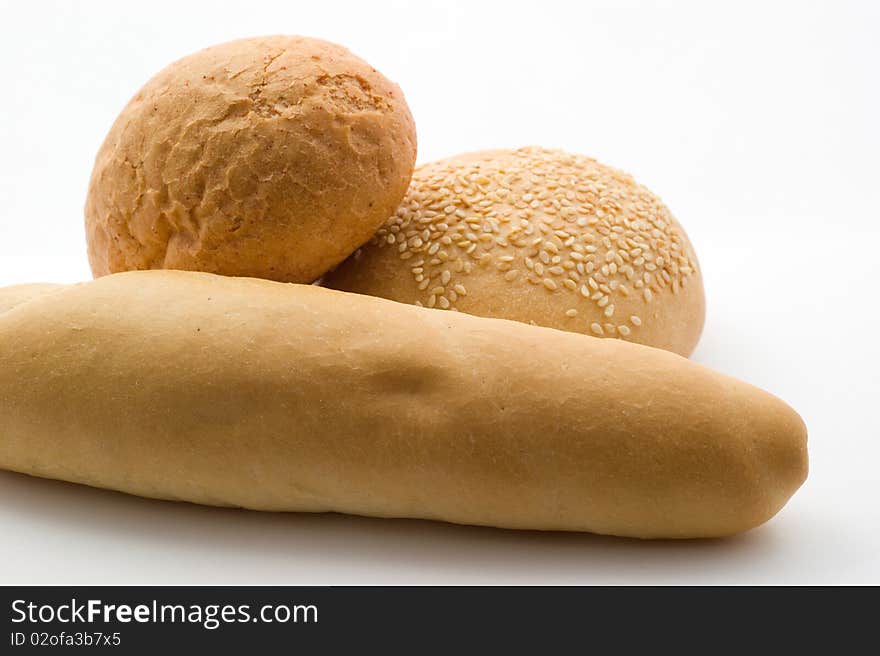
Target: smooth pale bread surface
{"points": [[243, 392], [18, 294], [273, 157], [539, 236]]}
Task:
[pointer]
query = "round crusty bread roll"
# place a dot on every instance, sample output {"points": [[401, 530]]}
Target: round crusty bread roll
{"points": [[242, 392], [273, 157], [538, 236]]}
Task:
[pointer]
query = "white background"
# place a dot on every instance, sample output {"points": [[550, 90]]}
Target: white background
{"points": [[756, 123]]}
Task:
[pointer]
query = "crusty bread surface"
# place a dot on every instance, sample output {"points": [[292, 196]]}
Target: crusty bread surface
{"points": [[539, 236], [279, 397], [273, 157]]}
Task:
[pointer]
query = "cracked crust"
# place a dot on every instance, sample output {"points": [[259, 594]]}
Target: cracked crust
{"points": [[272, 157]]}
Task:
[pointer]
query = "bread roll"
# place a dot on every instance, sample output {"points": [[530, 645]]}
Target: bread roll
{"points": [[538, 236], [243, 392], [273, 157]]}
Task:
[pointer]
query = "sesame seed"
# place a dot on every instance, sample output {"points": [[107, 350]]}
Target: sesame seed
{"points": [[571, 221], [596, 328]]}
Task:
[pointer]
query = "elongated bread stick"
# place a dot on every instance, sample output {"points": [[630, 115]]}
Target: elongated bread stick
{"points": [[18, 294], [243, 392]]}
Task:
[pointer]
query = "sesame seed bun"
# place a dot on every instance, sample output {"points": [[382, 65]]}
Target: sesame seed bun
{"points": [[272, 157], [538, 236]]}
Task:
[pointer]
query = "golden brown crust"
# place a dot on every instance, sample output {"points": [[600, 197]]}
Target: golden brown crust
{"points": [[542, 237], [18, 294], [245, 392], [272, 157]]}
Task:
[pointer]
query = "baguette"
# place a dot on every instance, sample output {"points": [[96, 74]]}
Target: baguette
{"points": [[282, 397], [18, 294]]}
